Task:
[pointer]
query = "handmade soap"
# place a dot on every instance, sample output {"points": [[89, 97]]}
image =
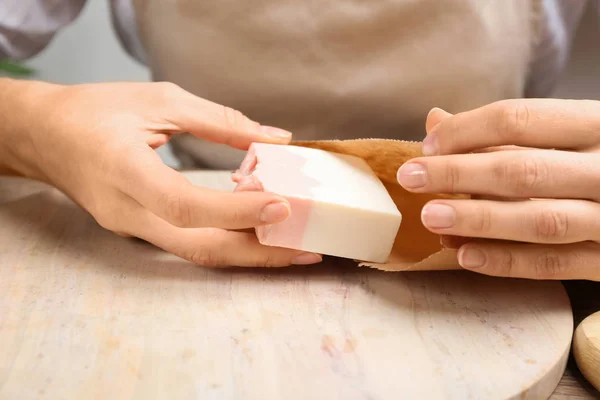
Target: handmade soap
{"points": [[339, 207]]}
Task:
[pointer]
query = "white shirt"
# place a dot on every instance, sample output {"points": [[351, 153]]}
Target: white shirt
{"points": [[27, 26]]}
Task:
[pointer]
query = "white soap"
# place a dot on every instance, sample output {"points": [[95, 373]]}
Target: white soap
{"points": [[339, 207]]}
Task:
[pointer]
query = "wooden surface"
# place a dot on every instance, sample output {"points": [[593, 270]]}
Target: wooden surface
{"points": [[586, 348], [573, 386], [585, 302], [87, 314]]}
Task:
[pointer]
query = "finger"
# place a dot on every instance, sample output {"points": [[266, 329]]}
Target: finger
{"points": [[453, 242], [532, 261], [169, 195], [502, 148], [436, 115], [498, 198], [549, 221], [211, 247], [156, 140], [516, 174], [539, 123], [217, 123], [248, 183]]}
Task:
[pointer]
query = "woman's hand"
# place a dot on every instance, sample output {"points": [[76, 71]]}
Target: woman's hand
{"points": [[96, 143], [541, 155]]}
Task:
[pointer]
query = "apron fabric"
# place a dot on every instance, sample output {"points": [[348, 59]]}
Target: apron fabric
{"points": [[337, 69]]}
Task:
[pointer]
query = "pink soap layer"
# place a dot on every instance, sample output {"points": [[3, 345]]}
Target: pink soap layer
{"points": [[288, 233], [276, 164]]}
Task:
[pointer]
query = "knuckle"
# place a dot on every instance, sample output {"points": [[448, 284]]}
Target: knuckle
{"points": [[106, 222], [270, 260], [105, 217], [523, 175], [266, 261], [549, 264], [177, 211], [111, 210], [514, 120], [550, 225], [208, 253], [233, 118], [204, 256], [452, 177], [482, 223], [507, 263], [235, 215]]}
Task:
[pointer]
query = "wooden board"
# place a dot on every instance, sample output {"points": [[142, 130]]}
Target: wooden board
{"points": [[87, 314], [586, 348]]}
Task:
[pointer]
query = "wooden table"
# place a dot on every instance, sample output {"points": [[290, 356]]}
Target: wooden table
{"points": [[585, 300]]}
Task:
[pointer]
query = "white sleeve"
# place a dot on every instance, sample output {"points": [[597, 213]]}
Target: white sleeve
{"points": [[27, 26]]}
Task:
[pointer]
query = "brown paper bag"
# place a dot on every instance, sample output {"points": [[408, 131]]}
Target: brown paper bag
{"points": [[415, 248]]}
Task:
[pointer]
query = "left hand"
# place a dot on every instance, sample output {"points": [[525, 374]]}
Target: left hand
{"points": [[543, 156]]}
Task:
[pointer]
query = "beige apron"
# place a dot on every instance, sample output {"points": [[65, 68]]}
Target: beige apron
{"points": [[339, 69]]}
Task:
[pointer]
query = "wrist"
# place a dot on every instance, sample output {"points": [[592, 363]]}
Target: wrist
{"points": [[6, 156], [22, 105]]}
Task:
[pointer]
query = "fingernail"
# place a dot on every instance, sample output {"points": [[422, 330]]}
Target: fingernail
{"points": [[434, 109], [438, 216], [275, 132], [275, 212], [249, 163], [412, 175], [443, 113], [306, 259], [471, 258], [431, 146], [249, 183]]}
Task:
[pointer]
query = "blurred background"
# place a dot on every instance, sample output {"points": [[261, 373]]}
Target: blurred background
{"points": [[88, 51]]}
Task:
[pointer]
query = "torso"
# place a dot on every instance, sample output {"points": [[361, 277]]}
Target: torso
{"points": [[340, 69]]}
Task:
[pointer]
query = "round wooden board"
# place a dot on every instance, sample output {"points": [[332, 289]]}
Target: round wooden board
{"points": [[86, 314]]}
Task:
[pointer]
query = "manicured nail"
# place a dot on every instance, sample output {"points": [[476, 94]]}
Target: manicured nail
{"points": [[412, 175], [471, 258], [275, 212], [438, 216], [307, 259], [275, 132], [431, 146]]}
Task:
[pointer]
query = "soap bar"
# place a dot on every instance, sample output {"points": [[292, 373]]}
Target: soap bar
{"points": [[339, 207]]}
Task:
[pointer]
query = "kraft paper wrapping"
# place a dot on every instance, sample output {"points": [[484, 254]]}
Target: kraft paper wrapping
{"points": [[415, 248]]}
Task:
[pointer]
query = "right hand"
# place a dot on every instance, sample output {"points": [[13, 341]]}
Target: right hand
{"points": [[96, 143]]}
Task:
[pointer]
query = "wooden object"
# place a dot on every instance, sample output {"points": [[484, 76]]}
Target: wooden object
{"points": [[87, 314], [586, 348]]}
